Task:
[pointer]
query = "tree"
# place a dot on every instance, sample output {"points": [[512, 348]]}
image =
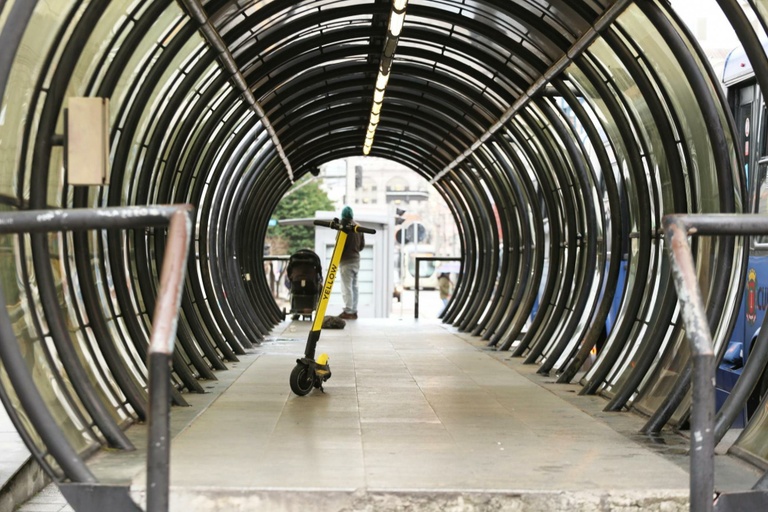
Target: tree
{"points": [[302, 201]]}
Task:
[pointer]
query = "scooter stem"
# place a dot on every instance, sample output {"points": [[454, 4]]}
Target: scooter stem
{"points": [[330, 277]]}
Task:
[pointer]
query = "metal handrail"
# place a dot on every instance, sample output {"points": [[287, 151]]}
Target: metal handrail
{"points": [[162, 336], [677, 229]]}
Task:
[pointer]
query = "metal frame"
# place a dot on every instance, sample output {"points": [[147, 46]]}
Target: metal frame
{"points": [[162, 339], [677, 229]]}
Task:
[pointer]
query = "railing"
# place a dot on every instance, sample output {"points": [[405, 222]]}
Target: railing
{"points": [[678, 228], [162, 336], [416, 287]]}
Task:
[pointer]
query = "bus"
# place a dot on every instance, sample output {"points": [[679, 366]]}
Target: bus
{"points": [[427, 269], [747, 105]]}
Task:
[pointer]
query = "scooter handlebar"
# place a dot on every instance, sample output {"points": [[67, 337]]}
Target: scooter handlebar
{"points": [[369, 231], [335, 224]]}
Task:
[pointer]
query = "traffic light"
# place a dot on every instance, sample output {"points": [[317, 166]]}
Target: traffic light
{"points": [[399, 219]]}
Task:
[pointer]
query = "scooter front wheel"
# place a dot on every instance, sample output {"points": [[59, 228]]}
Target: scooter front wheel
{"points": [[302, 379]]}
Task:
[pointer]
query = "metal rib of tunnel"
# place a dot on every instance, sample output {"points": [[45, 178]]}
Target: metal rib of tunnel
{"points": [[558, 134]]}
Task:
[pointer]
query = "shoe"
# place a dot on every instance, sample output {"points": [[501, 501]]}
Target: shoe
{"points": [[348, 316]]}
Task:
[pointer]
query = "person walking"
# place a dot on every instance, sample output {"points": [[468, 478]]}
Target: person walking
{"points": [[349, 266], [445, 285]]}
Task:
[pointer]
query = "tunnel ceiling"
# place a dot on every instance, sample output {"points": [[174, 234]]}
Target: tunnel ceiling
{"points": [[459, 67], [558, 133]]}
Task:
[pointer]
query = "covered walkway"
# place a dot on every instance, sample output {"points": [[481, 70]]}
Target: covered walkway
{"points": [[559, 135], [434, 421]]}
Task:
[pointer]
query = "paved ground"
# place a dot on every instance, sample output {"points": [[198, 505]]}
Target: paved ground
{"points": [[416, 415], [13, 450]]}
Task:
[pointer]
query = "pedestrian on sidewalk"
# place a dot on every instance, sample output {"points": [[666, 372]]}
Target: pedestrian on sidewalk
{"points": [[349, 266], [445, 286]]}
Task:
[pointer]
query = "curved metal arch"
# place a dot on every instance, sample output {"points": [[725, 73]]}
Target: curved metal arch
{"points": [[348, 143], [491, 32], [464, 295], [519, 156], [139, 20], [188, 350], [716, 299], [133, 389], [510, 225], [668, 124], [57, 330], [418, 133], [34, 405], [586, 226], [199, 158], [524, 130], [483, 254], [456, 303], [237, 247], [505, 85], [286, 27], [252, 227], [430, 81], [219, 255], [556, 171], [444, 108], [530, 230], [632, 148], [610, 275], [130, 113], [153, 188], [425, 129], [183, 150]]}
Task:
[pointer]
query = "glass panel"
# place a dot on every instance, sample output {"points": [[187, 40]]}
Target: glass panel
{"points": [[15, 263], [705, 189], [754, 439]]}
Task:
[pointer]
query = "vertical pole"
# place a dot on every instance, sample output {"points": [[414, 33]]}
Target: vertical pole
{"points": [[703, 434], [702, 472], [159, 442], [416, 289], [164, 324]]}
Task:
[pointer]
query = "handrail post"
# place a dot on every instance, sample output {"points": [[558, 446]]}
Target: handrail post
{"points": [[164, 324], [416, 289], [702, 462]]}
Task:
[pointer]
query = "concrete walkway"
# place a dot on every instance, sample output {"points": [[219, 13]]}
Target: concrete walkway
{"points": [[415, 417], [13, 450]]}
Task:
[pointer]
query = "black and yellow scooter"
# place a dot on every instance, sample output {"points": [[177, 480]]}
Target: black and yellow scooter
{"points": [[308, 372]]}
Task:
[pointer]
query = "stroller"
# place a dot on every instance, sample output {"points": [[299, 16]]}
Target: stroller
{"points": [[304, 277]]}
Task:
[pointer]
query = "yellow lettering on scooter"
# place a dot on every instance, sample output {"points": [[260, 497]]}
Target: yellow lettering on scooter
{"points": [[329, 285]]}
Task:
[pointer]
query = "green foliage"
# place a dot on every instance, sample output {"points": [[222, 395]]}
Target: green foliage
{"points": [[302, 201]]}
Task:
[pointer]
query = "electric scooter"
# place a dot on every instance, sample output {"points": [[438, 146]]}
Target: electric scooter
{"points": [[308, 372]]}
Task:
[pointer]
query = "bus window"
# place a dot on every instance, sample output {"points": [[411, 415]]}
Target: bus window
{"points": [[426, 268]]}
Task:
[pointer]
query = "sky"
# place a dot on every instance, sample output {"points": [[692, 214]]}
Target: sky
{"points": [[707, 21]]}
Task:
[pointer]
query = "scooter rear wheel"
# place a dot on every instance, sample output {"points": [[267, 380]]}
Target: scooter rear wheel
{"points": [[301, 380]]}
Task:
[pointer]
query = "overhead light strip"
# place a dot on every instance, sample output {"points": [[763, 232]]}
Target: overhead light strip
{"points": [[211, 35], [578, 48], [396, 20]]}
